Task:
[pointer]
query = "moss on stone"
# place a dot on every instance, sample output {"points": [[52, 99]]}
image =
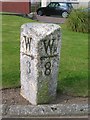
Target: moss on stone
{"points": [[43, 93]]}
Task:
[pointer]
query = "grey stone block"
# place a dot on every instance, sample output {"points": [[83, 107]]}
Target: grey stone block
{"points": [[46, 110], [39, 61]]}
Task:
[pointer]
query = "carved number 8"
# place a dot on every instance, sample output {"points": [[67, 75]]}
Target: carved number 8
{"points": [[48, 68]]}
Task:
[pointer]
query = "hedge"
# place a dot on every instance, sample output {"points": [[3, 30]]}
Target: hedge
{"points": [[78, 21]]}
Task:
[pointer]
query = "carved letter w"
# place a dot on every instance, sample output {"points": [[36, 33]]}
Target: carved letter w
{"points": [[48, 45], [27, 42]]}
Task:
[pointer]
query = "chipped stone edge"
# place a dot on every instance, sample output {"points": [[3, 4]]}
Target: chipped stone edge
{"points": [[44, 110]]}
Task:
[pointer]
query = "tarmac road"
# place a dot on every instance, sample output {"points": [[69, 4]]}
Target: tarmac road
{"points": [[51, 19]]}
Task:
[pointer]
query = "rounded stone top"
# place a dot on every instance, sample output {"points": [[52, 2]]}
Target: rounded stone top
{"points": [[40, 29]]}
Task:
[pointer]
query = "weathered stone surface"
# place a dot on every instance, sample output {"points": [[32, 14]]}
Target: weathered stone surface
{"points": [[46, 110], [39, 61]]}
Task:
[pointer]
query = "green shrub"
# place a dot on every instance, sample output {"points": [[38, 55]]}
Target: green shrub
{"points": [[78, 21]]}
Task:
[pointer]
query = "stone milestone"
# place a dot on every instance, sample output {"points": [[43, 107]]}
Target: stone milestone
{"points": [[39, 61]]}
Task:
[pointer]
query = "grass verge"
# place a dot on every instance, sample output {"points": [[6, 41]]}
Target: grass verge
{"points": [[73, 72], [11, 49]]}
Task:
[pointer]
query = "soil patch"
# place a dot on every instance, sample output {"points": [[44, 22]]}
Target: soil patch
{"points": [[13, 97]]}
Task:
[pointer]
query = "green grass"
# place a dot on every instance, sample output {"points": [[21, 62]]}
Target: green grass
{"points": [[11, 49], [73, 72]]}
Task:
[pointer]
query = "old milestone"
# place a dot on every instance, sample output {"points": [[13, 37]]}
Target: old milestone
{"points": [[39, 61]]}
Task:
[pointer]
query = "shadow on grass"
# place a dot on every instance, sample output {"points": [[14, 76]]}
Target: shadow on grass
{"points": [[74, 86], [15, 14]]}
